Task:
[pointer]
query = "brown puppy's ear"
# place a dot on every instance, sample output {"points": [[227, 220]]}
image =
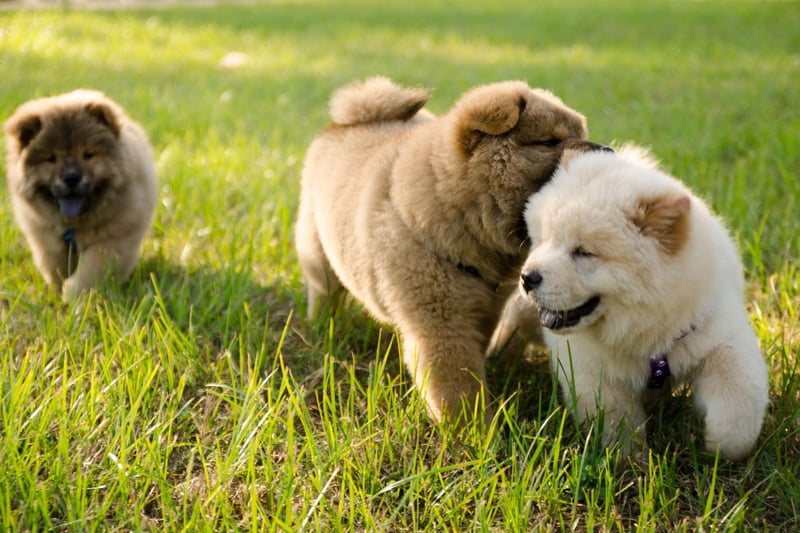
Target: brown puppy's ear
{"points": [[666, 219], [489, 110], [24, 128], [105, 114]]}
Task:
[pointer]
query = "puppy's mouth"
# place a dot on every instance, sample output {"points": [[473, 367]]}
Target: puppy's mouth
{"points": [[71, 202], [71, 206], [556, 320]]}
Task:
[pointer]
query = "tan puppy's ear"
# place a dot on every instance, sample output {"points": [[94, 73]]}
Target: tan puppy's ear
{"points": [[489, 110], [666, 219], [23, 128], [105, 114]]}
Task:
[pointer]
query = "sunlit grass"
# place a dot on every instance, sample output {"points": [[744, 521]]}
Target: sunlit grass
{"points": [[199, 398]]}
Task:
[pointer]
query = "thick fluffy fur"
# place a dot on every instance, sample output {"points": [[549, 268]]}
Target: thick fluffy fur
{"points": [[667, 279], [77, 163], [420, 218]]}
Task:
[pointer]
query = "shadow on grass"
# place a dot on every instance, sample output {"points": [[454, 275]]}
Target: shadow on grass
{"points": [[219, 311]]}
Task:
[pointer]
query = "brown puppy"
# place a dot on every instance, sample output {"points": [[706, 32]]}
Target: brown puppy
{"points": [[83, 186], [420, 218]]}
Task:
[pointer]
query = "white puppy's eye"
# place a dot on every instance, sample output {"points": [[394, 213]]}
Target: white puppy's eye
{"points": [[581, 252]]}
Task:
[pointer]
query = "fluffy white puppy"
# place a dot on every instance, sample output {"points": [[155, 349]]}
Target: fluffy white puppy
{"points": [[638, 285]]}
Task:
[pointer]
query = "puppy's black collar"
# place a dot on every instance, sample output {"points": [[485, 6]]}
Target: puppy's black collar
{"points": [[472, 271], [469, 269]]}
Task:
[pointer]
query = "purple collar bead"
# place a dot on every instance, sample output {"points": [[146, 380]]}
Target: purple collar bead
{"points": [[659, 372]]}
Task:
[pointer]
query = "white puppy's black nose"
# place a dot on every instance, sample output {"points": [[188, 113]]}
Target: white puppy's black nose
{"points": [[531, 280]]}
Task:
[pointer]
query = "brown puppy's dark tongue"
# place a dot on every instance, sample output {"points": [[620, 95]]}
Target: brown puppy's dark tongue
{"points": [[70, 206]]}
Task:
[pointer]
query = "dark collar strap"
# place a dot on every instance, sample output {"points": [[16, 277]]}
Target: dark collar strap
{"points": [[472, 271]]}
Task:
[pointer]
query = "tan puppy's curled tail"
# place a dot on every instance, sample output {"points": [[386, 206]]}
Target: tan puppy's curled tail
{"points": [[376, 99]]}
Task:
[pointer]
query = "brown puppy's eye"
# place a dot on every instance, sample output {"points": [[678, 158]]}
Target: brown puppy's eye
{"points": [[550, 142], [50, 159], [88, 155]]}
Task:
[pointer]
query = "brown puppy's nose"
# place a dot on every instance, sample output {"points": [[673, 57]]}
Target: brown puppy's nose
{"points": [[531, 280], [71, 178]]}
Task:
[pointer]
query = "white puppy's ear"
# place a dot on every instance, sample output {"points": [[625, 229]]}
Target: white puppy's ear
{"points": [[489, 110], [666, 219]]}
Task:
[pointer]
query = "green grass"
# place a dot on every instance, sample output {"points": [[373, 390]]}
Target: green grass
{"points": [[198, 397]]}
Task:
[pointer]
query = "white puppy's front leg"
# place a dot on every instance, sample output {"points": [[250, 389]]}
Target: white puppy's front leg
{"points": [[732, 393], [518, 326], [623, 415]]}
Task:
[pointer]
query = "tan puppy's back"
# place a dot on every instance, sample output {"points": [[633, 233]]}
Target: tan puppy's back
{"points": [[344, 173]]}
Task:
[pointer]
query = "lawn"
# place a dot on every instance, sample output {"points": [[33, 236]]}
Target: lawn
{"points": [[198, 397]]}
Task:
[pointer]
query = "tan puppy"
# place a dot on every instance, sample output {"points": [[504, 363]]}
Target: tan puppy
{"points": [[83, 186], [420, 218], [639, 285]]}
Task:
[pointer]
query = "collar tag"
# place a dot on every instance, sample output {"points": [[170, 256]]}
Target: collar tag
{"points": [[69, 238], [659, 366], [659, 372]]}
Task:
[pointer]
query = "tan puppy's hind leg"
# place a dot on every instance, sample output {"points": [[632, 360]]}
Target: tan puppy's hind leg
{"points": [[321, 281]]}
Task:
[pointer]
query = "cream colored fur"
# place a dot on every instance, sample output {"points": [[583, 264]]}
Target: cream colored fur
{"points": [[669, 279]]}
